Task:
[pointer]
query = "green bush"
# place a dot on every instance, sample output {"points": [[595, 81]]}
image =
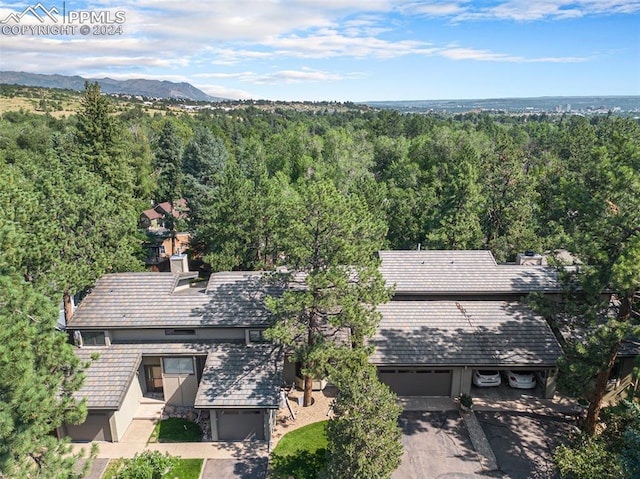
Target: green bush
{"points": [[146, 465]]}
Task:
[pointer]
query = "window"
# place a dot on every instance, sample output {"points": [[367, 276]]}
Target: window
{"points": [[93, 338], [161, 250], [180, 332], [256, 336], [178, 365]]}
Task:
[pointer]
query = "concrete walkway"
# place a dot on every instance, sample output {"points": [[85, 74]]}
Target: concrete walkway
{"points": [[480, 442], [186, 450], [135, 440]]}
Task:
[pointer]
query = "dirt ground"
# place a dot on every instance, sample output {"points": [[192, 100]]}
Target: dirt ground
{"points": [[319, 411]]}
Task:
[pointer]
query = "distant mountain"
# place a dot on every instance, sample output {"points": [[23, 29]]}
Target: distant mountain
{"points": [[148, 88]]}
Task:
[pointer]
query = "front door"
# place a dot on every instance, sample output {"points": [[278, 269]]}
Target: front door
{"points": [[153, 375]]}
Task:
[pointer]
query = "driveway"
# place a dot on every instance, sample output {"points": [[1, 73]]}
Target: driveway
{"points": [[523, 441], [246, 468], [436, 446]]}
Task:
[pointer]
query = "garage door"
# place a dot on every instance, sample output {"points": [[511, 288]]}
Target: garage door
{"points": [[240, 424], [95, 428], [417, 382]]}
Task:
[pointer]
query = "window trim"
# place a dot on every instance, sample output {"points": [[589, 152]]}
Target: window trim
{"points": [[94, 334], [179, 370]]}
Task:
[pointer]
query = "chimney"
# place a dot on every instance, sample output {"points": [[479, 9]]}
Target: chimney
{"points": [[179, 263], [529, 258]]}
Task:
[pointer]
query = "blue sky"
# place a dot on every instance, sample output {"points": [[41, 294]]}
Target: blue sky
{"points": [[346, 50]]}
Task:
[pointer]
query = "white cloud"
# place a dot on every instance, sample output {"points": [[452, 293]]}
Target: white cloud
{"points": [[527, 10], [457, 53], [436, 8], [224, 92], [304, 74]]}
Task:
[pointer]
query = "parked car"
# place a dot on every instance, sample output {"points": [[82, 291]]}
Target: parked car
{"points": [[486, 378], [521, 379]]}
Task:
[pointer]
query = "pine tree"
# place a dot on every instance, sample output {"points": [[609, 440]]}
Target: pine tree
{"points": [[38, 375], [330, 248], [168, 164], [363, 436]]}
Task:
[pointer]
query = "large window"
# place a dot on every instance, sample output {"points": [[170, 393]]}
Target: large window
{"points": [[178, 365], [93, 338]]}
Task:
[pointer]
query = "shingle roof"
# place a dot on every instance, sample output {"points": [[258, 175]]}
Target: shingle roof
{"points": [[108, 377], [236, 377], [150, 300], [461, 272], [629, 347], [152, 214], [448, 333]]}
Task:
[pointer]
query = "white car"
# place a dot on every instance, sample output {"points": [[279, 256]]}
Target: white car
{"points": [[521, 379], [486, 378]]}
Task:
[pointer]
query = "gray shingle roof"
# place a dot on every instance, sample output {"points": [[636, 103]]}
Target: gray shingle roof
{"points": [[148, 300], [234, 375], [108, 377], [466, 272], [448, 333], [241, 377]]}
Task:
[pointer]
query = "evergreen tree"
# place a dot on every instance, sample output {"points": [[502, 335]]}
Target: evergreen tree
{"points": [[329, 248], [168, 163], [363, 435], [100, 141], [204, 157], [38, 375], [602, 214]]}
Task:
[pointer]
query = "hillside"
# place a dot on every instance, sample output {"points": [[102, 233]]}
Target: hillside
{"points": [[142, 87]]}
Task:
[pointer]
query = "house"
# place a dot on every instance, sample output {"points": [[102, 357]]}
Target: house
{"points": [[202, 346], [163, 240], [624, 375], [456, 311], [195, 346]]}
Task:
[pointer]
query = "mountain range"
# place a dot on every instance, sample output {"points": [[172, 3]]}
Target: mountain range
{"points": [[142, 87]]}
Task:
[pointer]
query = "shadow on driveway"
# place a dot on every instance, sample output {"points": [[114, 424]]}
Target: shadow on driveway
{"points": [[241, 468], [523, 442], [437, 446]]}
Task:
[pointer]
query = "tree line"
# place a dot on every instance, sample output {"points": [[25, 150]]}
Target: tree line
{"points": [[323, 189]]}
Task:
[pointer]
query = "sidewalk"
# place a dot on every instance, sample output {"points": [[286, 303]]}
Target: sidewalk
{"points": [[135, 441]]}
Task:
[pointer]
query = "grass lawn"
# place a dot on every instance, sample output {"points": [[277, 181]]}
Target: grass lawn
{"points": [[175, 429], [300, 453], [184, 469]]}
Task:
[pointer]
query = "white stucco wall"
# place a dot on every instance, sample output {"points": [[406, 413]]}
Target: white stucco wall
{"points": [[122, 418], [180, 389]]}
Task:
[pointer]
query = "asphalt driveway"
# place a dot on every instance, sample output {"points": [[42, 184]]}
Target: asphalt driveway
{"points": [[523, 442], [436, 446], [241, 468]]}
